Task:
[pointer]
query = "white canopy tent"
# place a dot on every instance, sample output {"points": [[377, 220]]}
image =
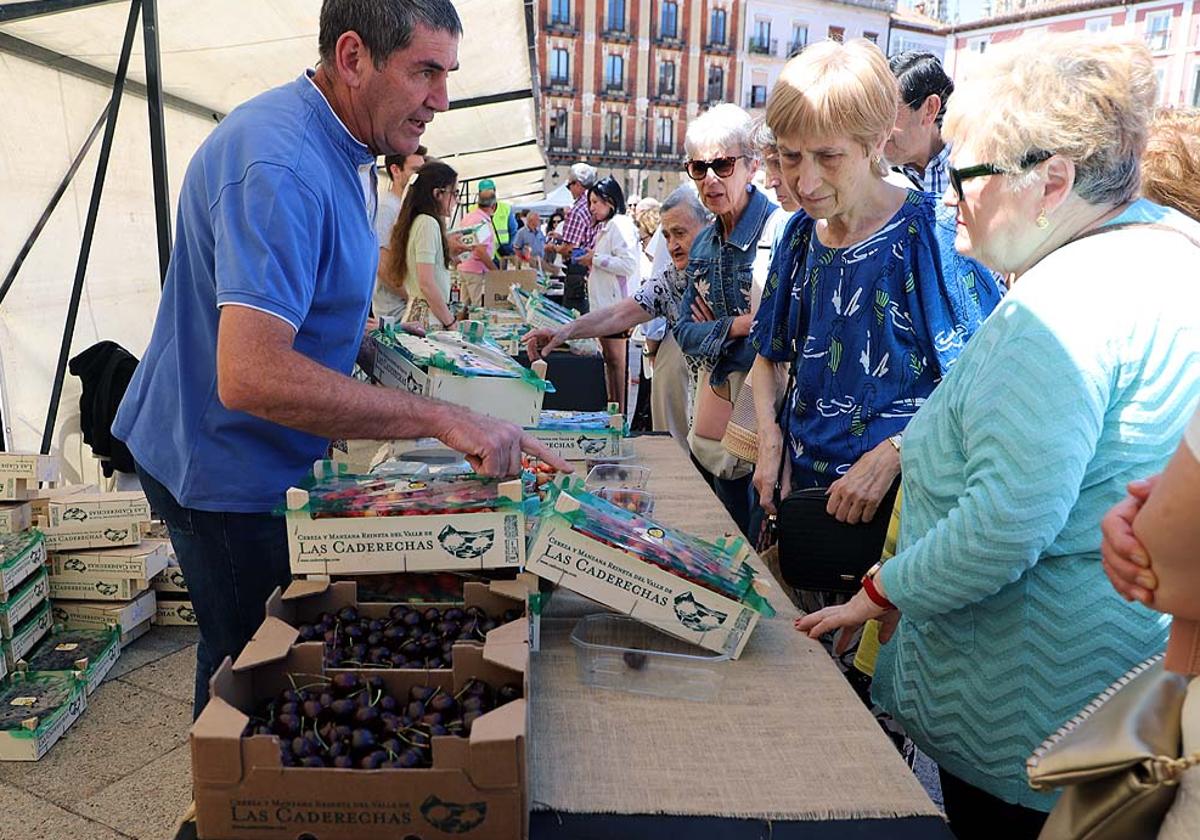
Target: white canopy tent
{"points": [[57, 59], [558, 198]]}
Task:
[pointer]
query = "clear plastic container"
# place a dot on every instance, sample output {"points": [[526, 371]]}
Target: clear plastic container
{"points": [[623, 476], [640, 502], [621, 653], [594, 461]]}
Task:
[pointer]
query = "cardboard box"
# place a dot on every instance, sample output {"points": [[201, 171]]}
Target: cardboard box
{"points": [[26, 634], [506, 398], [304, 600], [15, 517], [100, 534], [579, 444], [97, 615], [170, 581], [40, 500], [140, 562], [497, 284], [41, 731], [630, 585], [99, 507], [426, 543], [90, 668], [173, 612], [31, 467], [21, 603], [20, 556], [112, 589], [131, 636], [477, 786]]}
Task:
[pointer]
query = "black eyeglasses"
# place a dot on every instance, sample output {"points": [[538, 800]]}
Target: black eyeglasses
{"points": [[722, 167], [957, 176]]}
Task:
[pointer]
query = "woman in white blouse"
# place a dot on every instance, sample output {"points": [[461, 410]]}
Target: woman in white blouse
{"points": [[615, 263]]}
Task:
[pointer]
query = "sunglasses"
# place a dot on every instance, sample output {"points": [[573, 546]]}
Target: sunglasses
{"points": [[957, 176], [722, 167]]}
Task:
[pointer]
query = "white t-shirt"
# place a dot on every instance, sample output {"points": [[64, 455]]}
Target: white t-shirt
{"points": [[385, 301]]}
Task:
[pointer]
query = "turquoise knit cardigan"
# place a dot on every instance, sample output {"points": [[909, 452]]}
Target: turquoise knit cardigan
{"points": [[1080, 381]]}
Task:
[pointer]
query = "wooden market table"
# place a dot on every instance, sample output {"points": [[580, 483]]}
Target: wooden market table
{"points": [[785, 751]]}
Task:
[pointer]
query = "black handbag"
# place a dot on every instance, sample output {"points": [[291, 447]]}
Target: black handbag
{"points": [[816, 551]]}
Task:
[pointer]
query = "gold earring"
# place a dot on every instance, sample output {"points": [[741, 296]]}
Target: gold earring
{"points": [[1042, 221]]}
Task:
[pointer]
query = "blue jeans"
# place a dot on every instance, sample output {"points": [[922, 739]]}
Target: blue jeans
{"points": [[232, 563]]}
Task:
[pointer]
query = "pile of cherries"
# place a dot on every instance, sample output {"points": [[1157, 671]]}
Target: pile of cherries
{"points": [[410, 637], [350, 721]]}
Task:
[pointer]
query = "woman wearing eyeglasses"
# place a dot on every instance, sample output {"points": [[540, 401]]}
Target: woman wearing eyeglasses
{"points": [[422, 250], [726, 263], [1081, 380]]}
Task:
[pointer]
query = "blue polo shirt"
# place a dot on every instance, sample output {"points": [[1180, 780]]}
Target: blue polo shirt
{"points": [[275, 213]]}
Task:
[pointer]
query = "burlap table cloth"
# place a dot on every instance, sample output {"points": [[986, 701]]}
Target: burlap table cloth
{"points": [[786, 738]]}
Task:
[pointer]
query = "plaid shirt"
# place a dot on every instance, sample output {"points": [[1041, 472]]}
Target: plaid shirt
{"points": [[579, 228], [934, 180]]}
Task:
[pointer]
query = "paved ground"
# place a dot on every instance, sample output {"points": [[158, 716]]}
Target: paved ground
{"points": [[123, 770]]}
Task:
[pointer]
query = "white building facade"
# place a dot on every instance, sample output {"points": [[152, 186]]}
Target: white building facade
{"points": [[775, 30]]}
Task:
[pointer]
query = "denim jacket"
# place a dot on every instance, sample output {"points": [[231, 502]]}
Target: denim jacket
{"points": [[722, 270]]}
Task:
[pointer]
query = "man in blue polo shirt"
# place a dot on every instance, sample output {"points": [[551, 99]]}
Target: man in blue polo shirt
{"points": [[246, 377]]}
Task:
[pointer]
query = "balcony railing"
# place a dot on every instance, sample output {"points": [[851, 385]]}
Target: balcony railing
{"points": [[670, 94], [612, 144], [559, 83], [669, 39], [717, 45], [667, 149], [557, 142], [713, 95], [763, 46], [616, 34], [795, 48], [561, 26], [614, 91]]}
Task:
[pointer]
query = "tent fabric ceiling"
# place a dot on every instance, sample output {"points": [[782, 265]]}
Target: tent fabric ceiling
{"points": [[219, 53], [215, 53]]}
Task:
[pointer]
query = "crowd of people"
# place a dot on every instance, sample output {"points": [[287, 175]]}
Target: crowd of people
{"points": [[969, 309], [927, 296]]}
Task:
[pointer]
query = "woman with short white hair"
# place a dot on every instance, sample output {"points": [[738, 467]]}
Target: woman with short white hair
{"points": [[726, 265], [1082, 380]]}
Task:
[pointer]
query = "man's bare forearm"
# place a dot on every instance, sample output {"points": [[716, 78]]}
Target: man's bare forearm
{"points": [[307, 396]]}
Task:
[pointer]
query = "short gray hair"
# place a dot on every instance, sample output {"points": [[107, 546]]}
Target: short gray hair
{"points": [[584, 173], [684, 196], [384, 25], [764, 137], [725, 126]]}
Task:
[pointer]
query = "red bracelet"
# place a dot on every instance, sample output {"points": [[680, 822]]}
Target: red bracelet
{"points": [[868, 585]]}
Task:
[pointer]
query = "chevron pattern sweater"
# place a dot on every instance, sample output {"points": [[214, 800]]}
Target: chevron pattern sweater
{"points": [[1080, 381]]}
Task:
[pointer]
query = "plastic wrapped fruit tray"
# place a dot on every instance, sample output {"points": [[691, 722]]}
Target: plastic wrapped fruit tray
{"points": [[347, 524], [703, 593], [89, 654], [621, 653], [35, 711], [579, 435]]}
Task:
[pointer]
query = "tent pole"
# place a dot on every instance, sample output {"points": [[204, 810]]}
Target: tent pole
{"points": [[89, 228], [54, 199], [158, 136]]}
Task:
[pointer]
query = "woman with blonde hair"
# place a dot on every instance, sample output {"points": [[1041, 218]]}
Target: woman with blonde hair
{"points": [[863, 305], [1002, 623]]}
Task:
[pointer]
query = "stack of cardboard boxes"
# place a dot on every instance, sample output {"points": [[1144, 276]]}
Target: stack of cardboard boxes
{"points": [[24, 609], [100, 564]]}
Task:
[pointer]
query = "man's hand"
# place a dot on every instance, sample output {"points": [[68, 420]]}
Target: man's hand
{"points": [[540, 342], [414, 328], [855, 497], [1125, 560], [585, 259], [701, 311], [493, 447], [456, 244]]}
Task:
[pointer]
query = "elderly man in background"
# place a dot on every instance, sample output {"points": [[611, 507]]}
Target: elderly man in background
{"points": [[661, 296], [915, 149], [578, 236], [529, 244]]}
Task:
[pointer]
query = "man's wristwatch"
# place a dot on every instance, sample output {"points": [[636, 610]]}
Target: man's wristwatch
{"points": [[869, 586]]}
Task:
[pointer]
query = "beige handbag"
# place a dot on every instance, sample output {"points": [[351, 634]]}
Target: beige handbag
{"points": [[1118, 761], [741, 432]]}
